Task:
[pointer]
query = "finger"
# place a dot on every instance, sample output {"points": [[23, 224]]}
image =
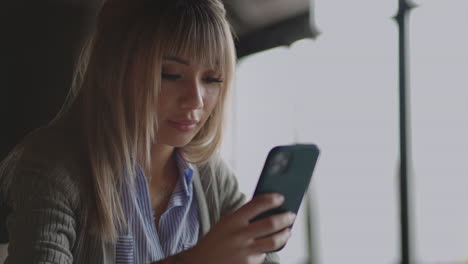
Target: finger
{"points": [[257, 258], [270, 225], [258, 205], [271, 243]]}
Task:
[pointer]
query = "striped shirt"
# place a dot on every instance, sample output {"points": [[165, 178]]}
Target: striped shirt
{"points": [[178, 225]]}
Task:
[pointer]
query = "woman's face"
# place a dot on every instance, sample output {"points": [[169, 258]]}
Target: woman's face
{"points": [[189, 93]]}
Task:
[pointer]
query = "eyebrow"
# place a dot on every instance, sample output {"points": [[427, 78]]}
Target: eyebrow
{"points": [[176, 59]]}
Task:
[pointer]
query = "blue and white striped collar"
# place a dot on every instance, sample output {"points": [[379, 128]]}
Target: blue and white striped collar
{"points": [[185, 169]]}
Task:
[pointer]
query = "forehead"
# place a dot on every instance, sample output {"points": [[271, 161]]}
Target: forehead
{"points": [[190, 61]]}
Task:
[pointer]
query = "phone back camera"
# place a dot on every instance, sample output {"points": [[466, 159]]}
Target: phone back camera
{"points": [[280, 162]]}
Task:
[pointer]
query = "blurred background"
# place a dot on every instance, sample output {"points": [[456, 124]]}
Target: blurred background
{"points": [[323, 72], [340, 91]]}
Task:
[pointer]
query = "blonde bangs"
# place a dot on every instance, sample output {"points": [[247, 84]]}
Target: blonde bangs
{"points": [[197, 34]]}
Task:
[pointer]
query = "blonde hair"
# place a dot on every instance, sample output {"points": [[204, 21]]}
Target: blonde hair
{"points": [[118, 113]]}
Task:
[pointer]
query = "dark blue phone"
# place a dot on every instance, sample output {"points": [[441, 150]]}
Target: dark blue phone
{"points": [[287, 170]]}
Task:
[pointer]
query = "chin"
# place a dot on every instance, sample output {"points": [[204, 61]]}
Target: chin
{"points": [[180, 144], [176, 141], [175, 138]]}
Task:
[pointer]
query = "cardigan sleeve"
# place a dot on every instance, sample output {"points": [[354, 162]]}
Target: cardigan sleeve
{"points": [[231, 198], [42, 224]]}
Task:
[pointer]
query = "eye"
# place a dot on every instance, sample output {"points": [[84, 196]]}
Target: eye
{"points": [[213, 80], [171, 77]]}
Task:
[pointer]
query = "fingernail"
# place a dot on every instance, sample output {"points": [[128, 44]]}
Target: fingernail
{"points": [[292, 216], [280, 198]]}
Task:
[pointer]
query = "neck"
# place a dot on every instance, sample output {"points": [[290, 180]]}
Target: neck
{"points": [[162, 162]]}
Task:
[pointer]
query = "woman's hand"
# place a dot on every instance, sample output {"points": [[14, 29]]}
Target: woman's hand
{"points": [[235, 240]]}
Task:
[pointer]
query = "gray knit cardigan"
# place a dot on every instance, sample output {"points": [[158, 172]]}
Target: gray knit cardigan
{"points": [[45, 187]]}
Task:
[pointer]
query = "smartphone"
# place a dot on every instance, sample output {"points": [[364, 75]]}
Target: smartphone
{"points": [[287, 170]]}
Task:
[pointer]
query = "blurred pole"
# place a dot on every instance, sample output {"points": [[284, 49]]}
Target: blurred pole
{"points": [[310, 219], [311, 235], [402, 16]]}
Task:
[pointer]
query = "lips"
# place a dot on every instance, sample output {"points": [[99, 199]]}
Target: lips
{"points": [[185, 122], [185, 125]]}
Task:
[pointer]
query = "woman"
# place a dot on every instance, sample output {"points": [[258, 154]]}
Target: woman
{"points": [[128, 172]]}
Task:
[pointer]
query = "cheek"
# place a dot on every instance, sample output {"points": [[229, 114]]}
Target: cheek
{"points": [[211, 99], [166, 98]]}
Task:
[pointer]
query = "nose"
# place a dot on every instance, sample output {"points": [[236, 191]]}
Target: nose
{"points": [[192, 97]]}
